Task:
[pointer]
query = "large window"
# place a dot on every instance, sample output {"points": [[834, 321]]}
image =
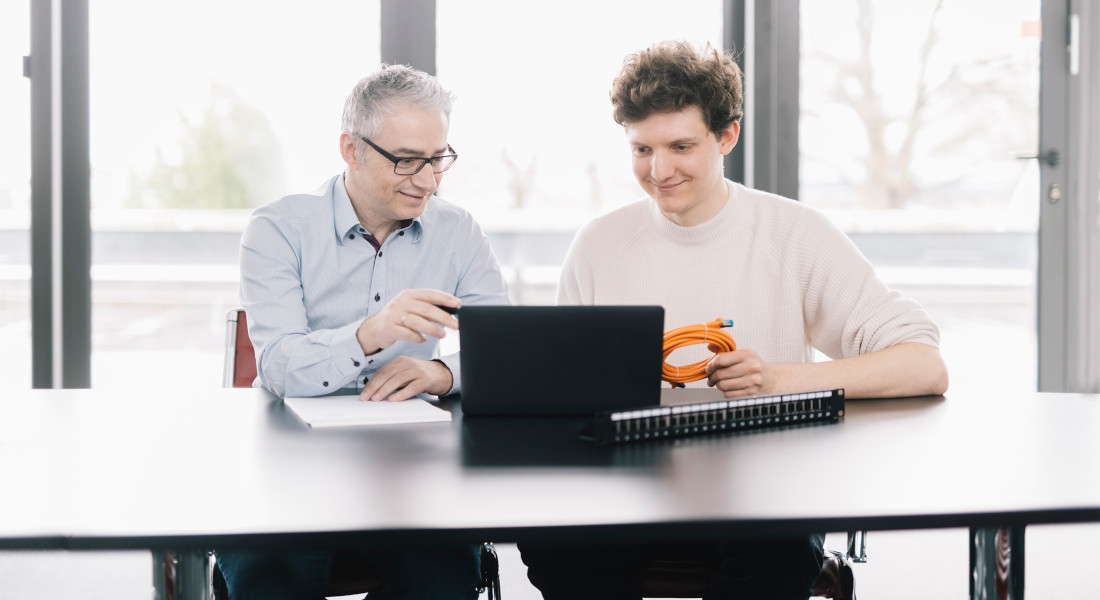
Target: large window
{"points": [[15, 192], [199, 114], [912, 118], [540, 152]]}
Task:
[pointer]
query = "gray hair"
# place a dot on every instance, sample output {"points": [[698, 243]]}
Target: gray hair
{"points": [[389, 90]]}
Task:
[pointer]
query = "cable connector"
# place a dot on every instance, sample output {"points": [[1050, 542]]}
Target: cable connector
{"points": [[727, 323]]}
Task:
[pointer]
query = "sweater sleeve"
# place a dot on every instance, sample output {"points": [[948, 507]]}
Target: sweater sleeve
{"points": [[575, 283], [848, 310]]}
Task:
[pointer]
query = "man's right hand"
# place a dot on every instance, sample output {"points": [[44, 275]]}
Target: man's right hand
{"points": [[741, 372], [412, 316]]}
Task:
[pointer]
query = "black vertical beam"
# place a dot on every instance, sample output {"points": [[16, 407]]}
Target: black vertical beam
{"points": [[788, 59], [408, 33], [1054, 317], [76, 228], [774, 108], [733, 39], [40, 72], [1081, 199], [60, 195]]}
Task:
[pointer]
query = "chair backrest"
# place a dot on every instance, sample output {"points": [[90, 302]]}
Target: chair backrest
{"points": [[240, 357]]}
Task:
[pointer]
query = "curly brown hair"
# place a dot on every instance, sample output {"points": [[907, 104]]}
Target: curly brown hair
{"points": [[671, 76]]}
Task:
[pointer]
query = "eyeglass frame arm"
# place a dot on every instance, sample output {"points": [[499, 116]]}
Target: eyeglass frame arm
{"points": [[424, 161]]}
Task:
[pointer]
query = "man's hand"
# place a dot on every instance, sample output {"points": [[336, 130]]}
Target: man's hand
{"points": [[412, 316], [909, 369], [404, 377], [741, 373]]}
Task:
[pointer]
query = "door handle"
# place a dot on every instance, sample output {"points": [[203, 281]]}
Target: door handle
{"points": [[1050, 157]]}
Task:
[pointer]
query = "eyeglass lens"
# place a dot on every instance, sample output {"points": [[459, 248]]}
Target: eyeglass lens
{"points": [[411, 166]]}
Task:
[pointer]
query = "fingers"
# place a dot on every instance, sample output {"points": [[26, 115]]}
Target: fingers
{"points": [[427, 303], [419, 311], [418, 328], [395, 381], [738, 373], [412, 316], [428, 319], [404, 377]]}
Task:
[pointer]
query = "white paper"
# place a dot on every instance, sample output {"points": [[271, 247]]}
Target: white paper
{"points": [[349, 411]]}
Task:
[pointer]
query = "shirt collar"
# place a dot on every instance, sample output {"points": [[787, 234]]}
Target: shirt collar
{"points": [[345, 221]]}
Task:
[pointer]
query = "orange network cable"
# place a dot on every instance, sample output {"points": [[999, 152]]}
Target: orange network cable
{"points": [[704, 333]]}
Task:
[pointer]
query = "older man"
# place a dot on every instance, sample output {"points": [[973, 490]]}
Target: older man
{"points": [[347, 290]]}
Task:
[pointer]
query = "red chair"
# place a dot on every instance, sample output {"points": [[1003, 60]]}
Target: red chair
{"points": [[240, 356]]}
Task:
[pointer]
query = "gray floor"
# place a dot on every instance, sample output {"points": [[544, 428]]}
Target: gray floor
{"points": [[903, 565]]}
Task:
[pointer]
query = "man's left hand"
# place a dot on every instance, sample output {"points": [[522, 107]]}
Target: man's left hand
{"points": [[404, 377]]}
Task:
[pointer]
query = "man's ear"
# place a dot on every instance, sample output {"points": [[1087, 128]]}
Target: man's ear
{"points": [[348, 150], [729, 136]]}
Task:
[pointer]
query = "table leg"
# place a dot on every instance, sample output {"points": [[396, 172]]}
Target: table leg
{"points": [[997, 564], [181, 575]]}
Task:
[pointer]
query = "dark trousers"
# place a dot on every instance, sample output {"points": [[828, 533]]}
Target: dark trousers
{"points": [[779, 569], [438, 573]]}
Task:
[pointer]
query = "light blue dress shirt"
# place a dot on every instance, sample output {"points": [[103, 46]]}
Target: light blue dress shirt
{"points": [[309, 278]]}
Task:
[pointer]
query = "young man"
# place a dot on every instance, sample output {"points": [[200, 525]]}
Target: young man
{"points": [[345, 290], [704, 248]]}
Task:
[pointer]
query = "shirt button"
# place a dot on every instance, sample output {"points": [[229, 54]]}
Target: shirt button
{"points": [[365, 380], [324, 383], [379, 254], [354, 362], [361, 230], [351, 235], [370, 361], [377, 297], [401, 233]]}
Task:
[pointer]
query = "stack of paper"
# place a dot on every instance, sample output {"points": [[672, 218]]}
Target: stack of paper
{"points": [[349, 411]]}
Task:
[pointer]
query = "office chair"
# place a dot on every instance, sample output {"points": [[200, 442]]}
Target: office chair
{"points": [[351, 573], [680, 577], [239, 370]]}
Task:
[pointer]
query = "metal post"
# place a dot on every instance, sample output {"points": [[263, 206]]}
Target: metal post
{"points": [[60, 195], [40, 71], [76, 226], [997, 563], [182, 575], [733, 39], [769, 132], [408, 33]]}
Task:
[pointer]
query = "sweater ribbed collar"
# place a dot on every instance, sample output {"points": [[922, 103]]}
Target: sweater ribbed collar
{"points": [[726, 221]]}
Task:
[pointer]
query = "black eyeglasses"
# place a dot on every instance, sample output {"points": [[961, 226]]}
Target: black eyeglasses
{"points": [[411, 165]]}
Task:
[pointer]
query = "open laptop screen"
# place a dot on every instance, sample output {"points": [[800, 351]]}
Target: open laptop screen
{"points": [[559, 360]]}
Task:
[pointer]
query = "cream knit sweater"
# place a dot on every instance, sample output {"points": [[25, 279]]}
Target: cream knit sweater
{"points": [[789, 279]]}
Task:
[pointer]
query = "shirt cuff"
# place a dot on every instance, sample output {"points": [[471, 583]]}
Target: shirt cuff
{"points": [[452, 362], [347, 358], [349, 345]]}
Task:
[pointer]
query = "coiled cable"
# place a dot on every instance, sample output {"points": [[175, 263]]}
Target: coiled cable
{"points": [[689, 335]]}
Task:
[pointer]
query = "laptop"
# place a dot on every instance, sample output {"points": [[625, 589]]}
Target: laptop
{"points": [[560, 360]]}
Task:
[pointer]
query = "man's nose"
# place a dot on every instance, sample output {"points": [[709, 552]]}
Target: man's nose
{"points": [[424, 178], [661, 166]]}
